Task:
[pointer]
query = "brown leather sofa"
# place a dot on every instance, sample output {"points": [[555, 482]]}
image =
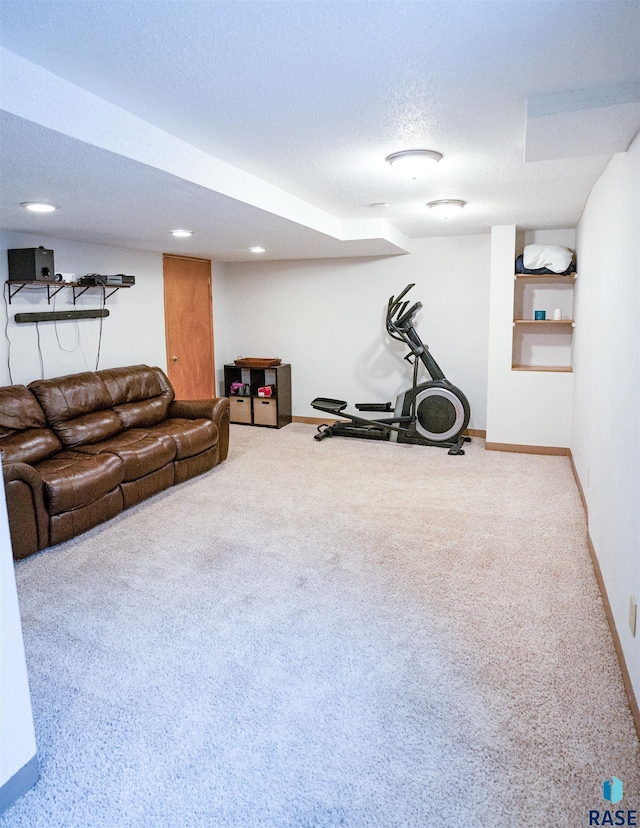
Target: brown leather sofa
{"points": [[79, 449]]}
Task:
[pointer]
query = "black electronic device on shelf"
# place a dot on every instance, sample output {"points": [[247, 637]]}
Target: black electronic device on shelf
{"points": [[116, 280], [30, 264]]}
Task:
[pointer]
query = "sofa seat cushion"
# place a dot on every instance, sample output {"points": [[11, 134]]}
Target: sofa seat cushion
{"points": [[73, 480], [140, 452], [191, 437]]}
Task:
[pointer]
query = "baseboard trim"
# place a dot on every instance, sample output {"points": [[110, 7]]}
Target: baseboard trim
{"points": [[19, 783], [517, 449], [617, 645], [580, 489]]}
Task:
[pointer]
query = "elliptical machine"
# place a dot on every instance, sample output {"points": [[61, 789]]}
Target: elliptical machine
{"points": [[432, 413]]}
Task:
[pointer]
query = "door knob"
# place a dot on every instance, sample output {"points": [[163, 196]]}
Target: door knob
{"points": [[175, 358]]}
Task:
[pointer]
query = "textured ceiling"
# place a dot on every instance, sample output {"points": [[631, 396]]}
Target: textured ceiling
{"points": [[583, 122], [269, 122], [135, 205]]}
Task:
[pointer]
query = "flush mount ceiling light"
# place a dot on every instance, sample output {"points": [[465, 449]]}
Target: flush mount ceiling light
{"points": [[381, 204], [446, 207], [257, 249], [182, 234], [38, 206], [414, 163]]}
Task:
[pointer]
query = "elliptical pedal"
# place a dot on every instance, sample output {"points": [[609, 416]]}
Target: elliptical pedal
{"points": [[324, 431], [374, 406], [329, 405]]}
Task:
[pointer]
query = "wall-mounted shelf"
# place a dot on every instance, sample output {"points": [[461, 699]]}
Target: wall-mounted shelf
{"points": [[542, 344], [78, 290], [553, 323], [547, 277], [552, 368], [55, 287], [52, 288]]}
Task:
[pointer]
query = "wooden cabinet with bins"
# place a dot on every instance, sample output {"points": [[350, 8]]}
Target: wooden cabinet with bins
{"points": [[542, 345], [249, 408]]}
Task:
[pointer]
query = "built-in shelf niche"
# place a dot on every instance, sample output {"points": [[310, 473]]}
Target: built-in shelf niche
{"points": [[542, 345]]}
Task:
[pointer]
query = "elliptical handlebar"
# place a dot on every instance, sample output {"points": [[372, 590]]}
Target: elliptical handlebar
{"points": [[404, 320], [401, 296], [398, 317], [400, 326]]}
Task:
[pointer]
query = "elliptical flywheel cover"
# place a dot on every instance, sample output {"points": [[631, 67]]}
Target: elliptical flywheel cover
{"points": [[441, 413]]}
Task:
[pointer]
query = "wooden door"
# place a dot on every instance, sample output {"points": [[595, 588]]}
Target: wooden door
{"points": [[189, 327]]}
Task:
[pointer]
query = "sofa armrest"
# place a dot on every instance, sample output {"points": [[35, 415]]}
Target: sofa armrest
{"points": [[28, 517], [216, 409]]}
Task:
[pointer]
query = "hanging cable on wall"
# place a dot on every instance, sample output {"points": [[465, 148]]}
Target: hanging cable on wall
{"points": [[111, 283], [100, 334], [55, 325], [6, 331], [40, 350]]}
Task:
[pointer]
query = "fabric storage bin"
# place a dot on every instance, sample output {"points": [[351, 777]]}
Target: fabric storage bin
{"points": [[265, 411], [240, 409]]}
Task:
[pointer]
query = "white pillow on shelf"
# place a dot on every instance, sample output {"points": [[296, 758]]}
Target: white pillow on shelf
{"points": [[551, 256]]}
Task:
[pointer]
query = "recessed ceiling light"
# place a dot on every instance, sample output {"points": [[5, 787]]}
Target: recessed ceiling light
{"points": [[257, 249], [182, 234], [446, 207], [379, 204], [38, 206], [414, 163]]}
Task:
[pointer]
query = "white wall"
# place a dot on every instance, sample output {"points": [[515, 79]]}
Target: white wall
{"points": [[221, 322], [323, 316], [527, 408], [565, 237], [326, 317], [17, 736], [606, 412], [133, 332]]}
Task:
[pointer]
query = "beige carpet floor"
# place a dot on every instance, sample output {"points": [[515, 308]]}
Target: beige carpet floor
{"points": [[345, 633]]}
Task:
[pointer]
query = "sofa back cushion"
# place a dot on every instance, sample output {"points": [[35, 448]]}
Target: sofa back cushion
{"points": [[140, 394], [24, 435], [78, 408]]}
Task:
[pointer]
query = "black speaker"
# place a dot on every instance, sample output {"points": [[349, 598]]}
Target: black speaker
{"points": [[31, 264]]}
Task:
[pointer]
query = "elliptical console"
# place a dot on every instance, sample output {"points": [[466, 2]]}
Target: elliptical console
{"points": [[432, 413]]}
